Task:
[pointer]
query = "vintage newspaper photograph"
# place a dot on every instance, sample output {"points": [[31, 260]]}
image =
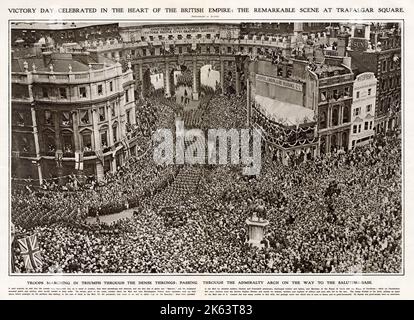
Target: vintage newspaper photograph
{"points": [[198, 146]]}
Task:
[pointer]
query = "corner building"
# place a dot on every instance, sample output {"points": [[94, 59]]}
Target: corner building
{"points": [[70, 115]]}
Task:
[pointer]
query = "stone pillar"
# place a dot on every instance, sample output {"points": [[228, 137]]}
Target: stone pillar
{"points": [[57, 132], [113, 163], [141, 78], [237, 82], [339, 139], [75, 127], [328, 144], [222, 76], [96, 135], [167, 80], [341, 115], [99, 170], [249, 110], [121, 116], [195, 89], [329, 124], [36, 142]]}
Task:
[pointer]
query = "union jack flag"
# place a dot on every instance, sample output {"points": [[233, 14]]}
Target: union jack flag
{"points": [[30, 251]]}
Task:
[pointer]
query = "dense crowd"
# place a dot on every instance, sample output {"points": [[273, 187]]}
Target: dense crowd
{"points": [[339, 213]]}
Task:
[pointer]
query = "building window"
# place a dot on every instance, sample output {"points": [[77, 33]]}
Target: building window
{"points": [[347, 91], [127, 96], [370, 125], [366, 125], [50, 145], [84, 117], [111, 86], [357, 94], [19, 118], [67, 143], [115, 133], [48, 117], [369, 91], [45, 93], [345, 117], [87, 142], [384, 65], [100, 90], [323, 93], [62, 93], [359, 128], [112, 107], [144, 52], [102, 114], [229, 50], [65, 119], [357, 111], [369, 107], [82, 92], [104, 139], [323, 120]]}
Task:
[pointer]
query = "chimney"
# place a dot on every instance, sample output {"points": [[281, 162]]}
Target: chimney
{"points": [[343, 39]]}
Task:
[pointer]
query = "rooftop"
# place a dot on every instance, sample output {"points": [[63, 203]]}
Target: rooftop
{"points": [[53, 25], [60, 62]]}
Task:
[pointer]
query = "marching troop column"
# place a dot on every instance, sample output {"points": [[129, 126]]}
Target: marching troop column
{"points": [[167, 80], [222, 75], [195, 89]]}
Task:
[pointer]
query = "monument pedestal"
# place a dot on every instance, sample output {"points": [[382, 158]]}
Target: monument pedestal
{"points": [[256, 230]]}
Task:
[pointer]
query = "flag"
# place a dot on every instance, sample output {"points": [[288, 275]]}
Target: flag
{"points": [[78, 160], [30, 251]]}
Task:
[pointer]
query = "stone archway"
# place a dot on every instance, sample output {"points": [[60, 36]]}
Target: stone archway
{"points": [[209, 77]]}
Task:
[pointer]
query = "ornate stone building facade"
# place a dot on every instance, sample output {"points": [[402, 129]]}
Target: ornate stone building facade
{"points": [[70, 113]]}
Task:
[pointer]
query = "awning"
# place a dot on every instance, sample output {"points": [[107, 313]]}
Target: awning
{"points": [[285, 113]]}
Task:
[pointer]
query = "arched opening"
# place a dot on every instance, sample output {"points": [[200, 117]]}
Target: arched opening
{"points": [[322, 121], [335, 118], [334, 146], [345, 140], [209, 77], [146, 83], [346, 114]]}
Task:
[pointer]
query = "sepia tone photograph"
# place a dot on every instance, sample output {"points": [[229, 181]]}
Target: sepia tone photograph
{"points": [[205, 148]]}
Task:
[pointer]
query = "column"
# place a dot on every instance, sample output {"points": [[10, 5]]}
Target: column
{"points": [[237, 82], [121, 117], [328, 144], [248, 102], [75, 127], [195, 89], [167, 80], [339, 139], [222, 76], [97, 141], [141, 78], [57, 132], [36, 142], [96, 136], [341, 115], [329, 116]]}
